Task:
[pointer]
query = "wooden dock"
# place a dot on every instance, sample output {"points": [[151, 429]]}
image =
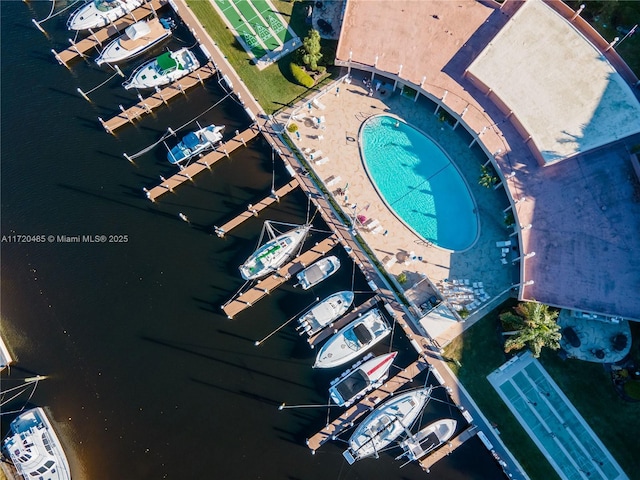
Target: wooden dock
{"points": [[344, 320], [196, 167], [266, 285], [253, 210], [96, 39], [157, 99], [368, 403], [427, 462]]}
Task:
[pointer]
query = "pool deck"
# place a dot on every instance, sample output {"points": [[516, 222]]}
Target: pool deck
{"points": [[583, 232]]}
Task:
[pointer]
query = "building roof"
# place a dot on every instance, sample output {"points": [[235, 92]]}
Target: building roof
{"points": [[563, 90]]}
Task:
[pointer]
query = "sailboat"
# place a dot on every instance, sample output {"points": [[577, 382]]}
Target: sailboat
{"points": [[273, 254], [385, 424], [366, 375]]}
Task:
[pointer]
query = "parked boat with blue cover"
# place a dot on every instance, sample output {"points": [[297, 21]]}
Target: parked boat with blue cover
{"points": [[34, 448], [136, 39], [166, 68], [364, 376], [324, 313], [319, 271], [385, 424], [273, 254], [195, 143], [353, 340], [100, 13]]}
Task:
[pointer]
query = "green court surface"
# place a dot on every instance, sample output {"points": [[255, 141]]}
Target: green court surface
{"points": [[257, 23], [552, 422]]}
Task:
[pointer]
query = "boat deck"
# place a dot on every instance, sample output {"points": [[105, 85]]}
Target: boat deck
{"points": [[368, 403], [156, 31], [146, 105], [253, 210], [266, 285], [96, 39], [427, 462], [196, 167]]}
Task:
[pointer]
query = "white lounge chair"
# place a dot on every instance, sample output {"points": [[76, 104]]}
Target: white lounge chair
{"points": [[505, 243], [322, 161], [317, 104], [332, 180]]}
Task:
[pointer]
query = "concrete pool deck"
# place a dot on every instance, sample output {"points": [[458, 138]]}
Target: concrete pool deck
{"points": [[583, 232], [334, 145]]}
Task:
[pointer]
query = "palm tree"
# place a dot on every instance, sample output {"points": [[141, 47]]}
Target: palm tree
{"points": [[535, 326]]}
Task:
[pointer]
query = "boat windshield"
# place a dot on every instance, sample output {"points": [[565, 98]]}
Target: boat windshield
{"points": [[356, 337]]}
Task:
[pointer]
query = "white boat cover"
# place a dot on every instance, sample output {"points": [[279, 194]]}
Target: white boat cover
{"points": [[137, 30]]}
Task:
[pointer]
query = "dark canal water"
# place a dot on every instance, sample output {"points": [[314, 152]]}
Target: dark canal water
{"points": [[147, 379]]}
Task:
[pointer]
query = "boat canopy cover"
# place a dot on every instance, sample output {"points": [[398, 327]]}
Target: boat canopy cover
{"points": [[314, 274], [354, 383], [323, 312], [137, 30], [191, 140], [212, 136], [362, 334], [166, 62]]}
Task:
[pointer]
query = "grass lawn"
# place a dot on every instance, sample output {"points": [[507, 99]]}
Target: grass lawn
{"points": [[272, 87], [586, 384]]}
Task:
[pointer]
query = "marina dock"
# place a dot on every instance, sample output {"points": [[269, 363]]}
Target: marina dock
{"points": [[187, 173], [263, 287], [253, 210], [96, 39], [146, 105], [348, 418], [427, 462]]}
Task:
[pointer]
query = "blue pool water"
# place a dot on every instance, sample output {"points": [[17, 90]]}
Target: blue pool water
{"points": [[419, 183]]}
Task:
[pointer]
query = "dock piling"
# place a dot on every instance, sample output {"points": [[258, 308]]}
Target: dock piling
{"points": [[38, 26], [128, 158], [57, 57], [84, 95], [104, 125]]}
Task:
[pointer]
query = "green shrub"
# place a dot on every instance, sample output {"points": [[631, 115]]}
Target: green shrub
{"points": [[402, 278], [321, 69], [301, 77], [464, 313], [632, 389], [292, 128]]}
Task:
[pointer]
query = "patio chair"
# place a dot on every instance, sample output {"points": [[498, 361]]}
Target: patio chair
{"points": [[505, 243]]}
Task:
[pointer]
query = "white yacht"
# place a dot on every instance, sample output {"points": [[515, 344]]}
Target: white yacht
{"points": [[428, 439], [314, 274], [34, 448], [385, 424], [366, 375], [136, 39], [353, 340], [325, 313], [100, 13], [273, 254], [166, 68], [195, 143]]}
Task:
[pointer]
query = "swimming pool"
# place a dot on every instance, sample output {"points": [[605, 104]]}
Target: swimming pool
{"points": [[419, 182]]}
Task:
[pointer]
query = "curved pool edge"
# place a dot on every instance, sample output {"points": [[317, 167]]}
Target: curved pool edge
{"points": [[392, 211]]}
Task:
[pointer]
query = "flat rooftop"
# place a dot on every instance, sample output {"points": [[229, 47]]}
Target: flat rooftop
{"points": [[565, 93], [585, 213]]}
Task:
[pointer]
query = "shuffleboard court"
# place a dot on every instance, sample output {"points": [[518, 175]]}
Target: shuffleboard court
{"points": [[552, 422]]}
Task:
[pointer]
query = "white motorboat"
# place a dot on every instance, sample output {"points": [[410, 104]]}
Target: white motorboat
{"points": [[99, 13], [314, 274], [166, 68], [325, 313], [136, 39], [353, 340], [366, 375], [273, 254], [34, 448], [385, 424], [195, 143], [428, 439]]}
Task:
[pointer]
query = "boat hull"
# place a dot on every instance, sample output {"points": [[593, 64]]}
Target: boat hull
{"points": [[353, 340], [196, 143], [99, 13], [125, 48], [325, 313], [151, 75], [273, 254], [385, 424], [319, 271], [360, 379], [34, 447]]}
